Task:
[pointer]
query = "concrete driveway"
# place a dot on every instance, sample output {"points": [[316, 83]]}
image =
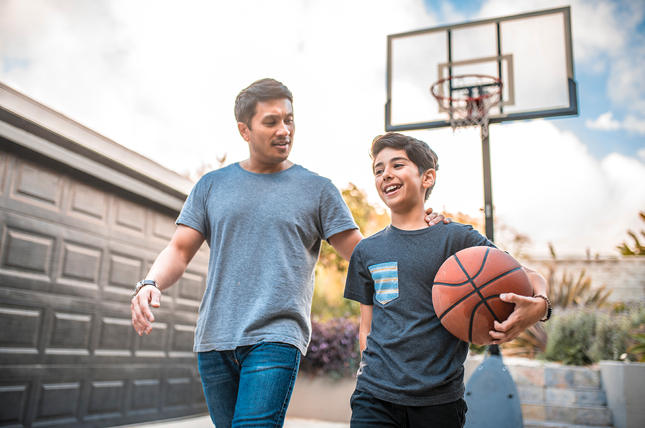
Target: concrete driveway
{"points": [[205, 422]]}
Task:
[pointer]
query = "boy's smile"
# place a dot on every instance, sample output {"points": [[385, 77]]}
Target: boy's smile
{"points": [[400, 185], [397, 179]]}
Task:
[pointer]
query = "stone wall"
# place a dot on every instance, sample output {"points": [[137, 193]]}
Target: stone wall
{"points": [[624, 275]]}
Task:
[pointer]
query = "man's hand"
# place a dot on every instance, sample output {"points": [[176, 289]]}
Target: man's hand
{"points": [[528, 311], [142, 317], [434, 218]]}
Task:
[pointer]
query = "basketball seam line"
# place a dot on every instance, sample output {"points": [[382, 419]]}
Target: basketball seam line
{"points": [[472, 282], [474, 291], [472, 317]]}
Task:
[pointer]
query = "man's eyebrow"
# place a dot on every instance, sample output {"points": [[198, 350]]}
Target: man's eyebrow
{"points": [[275, 116]]}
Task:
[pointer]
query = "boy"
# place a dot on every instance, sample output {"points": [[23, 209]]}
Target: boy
{"points": [[411, 372]]}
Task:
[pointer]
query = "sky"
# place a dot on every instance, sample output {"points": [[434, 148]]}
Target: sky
{"points": [[160, 78]]}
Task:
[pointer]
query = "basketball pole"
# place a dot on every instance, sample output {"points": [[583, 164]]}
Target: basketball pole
{"points": [[488, 186], [488, 202]]}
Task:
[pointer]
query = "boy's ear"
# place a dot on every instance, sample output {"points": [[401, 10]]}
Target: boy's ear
{"points": [[428, 179]]}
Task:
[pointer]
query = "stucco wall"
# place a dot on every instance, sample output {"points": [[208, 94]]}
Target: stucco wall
{"points": [[624, 275]]}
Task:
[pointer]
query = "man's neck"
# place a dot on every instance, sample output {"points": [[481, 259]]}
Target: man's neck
{"points": [[410, 220], [263, 168]]}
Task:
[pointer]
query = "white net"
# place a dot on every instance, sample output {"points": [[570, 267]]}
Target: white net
{"points": [[468, 99]]}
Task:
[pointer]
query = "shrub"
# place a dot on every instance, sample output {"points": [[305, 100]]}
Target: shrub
{"points": [[584, 335], [334, 349], [564, 292], [639, 249]]}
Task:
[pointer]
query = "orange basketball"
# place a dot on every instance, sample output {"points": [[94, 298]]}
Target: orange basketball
{"points": [[466, 292]]}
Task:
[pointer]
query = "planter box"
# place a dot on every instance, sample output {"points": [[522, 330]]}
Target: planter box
{"points": [[321, 398], [624, 384]]}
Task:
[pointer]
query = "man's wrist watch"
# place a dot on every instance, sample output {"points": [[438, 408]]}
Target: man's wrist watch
{"points": [[549, 310], [142, 284]]}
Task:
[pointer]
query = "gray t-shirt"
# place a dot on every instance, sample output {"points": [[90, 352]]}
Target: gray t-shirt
{"points": [[264, 232], [410, 358]]}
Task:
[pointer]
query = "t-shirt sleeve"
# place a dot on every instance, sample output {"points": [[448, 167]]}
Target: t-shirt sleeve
{"points": [[359, 285], [193, 213], [476, 239], [335, 216]]}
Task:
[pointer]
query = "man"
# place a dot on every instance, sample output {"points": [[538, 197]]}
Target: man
{"points": [[263, 219]]}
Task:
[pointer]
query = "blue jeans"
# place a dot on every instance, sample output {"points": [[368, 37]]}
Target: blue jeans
{"points": [[250, 386]]}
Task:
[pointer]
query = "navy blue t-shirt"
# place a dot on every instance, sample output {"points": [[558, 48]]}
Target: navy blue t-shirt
{"points": [[410, 358]]}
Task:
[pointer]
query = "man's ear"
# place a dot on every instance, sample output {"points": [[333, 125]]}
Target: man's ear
{"points": [[244, 131], [429, 178]]}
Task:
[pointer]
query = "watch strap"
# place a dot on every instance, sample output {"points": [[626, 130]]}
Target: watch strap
{"points": [[142, 284]]}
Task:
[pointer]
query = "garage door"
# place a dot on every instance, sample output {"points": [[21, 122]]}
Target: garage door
{"points": [[71, 250]]}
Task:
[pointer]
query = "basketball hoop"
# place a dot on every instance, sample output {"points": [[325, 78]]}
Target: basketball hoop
{"points": [[469, 99]]}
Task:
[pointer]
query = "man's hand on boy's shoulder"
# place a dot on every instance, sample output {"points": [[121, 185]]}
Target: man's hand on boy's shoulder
{"points": [[433, 218]]}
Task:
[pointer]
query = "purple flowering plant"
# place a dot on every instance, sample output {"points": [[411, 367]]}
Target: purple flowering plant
{"points": [[334, 349]]}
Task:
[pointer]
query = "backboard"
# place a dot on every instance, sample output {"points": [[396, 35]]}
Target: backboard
{"points": [[531, 53]]}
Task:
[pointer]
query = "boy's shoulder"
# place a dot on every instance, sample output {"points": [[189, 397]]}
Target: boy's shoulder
{"points": [[455, 227], [441, 228], [437, 232], [372, 239]]}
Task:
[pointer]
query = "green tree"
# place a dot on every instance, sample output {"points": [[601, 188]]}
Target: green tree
{"points": [[639, 249]]}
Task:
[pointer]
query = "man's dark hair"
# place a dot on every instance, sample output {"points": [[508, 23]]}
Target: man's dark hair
{"points": [[417, 151], [261, 90]]}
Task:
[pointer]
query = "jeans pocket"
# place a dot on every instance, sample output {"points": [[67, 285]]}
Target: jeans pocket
{"points": [[386, 281]]}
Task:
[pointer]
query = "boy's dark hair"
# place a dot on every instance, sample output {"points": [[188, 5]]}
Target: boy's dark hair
{"points": [[260, 90], [417, 151]]}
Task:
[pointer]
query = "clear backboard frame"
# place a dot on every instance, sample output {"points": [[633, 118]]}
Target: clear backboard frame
{"points": [[556, 44]]}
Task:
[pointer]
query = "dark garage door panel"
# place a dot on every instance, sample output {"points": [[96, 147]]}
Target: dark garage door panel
{"points": [[70, 253]]}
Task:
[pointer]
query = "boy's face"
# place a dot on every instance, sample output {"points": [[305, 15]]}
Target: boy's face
{"points": [[271, 134], [398, 181]]}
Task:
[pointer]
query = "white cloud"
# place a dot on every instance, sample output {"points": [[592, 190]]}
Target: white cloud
{"points": [[641, 154], [554, 190], [634, 124], [606, 122]]}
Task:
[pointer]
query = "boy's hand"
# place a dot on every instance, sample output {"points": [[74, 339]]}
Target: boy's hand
{"points": [[528, 311], [434, 218], [142, 317]]}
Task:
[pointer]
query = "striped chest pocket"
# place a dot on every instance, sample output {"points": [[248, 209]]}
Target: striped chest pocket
{"points": [[386, 281]]}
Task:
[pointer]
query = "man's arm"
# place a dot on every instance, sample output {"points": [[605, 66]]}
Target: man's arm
{"points": [[365, 326], [166, 270], [528, 310], [345, 242]]}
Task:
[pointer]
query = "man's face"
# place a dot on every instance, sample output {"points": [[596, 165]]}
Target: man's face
{"points": [[270, 136]]}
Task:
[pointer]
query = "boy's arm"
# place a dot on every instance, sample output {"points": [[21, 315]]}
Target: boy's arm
{"points": [[169, 266], [365, 326], [528, 310]]}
